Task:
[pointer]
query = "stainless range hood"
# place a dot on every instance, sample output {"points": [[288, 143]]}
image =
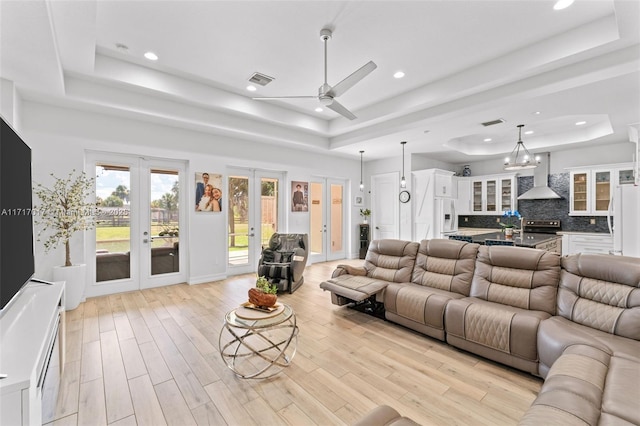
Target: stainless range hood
{"points": [[540, 190]]}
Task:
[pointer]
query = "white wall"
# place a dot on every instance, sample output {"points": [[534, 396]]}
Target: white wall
{"points": [[59, 138]]}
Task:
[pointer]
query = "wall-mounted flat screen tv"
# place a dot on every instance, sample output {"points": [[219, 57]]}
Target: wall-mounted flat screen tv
{"points": [[17, 264]]}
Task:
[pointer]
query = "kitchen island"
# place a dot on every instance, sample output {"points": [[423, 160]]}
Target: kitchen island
{"points": [[549, 242]]}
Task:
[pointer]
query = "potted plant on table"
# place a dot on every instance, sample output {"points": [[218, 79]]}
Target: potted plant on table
{"points": [[64, 211], [264, 294], [508, 224], [365, 213]]}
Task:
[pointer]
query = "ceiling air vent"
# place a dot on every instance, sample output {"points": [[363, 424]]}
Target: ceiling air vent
{"points": [[260, 79], [492, 122]]}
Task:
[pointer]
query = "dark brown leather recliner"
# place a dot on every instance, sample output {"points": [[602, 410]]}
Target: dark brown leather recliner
{"points": [[283, 261]]}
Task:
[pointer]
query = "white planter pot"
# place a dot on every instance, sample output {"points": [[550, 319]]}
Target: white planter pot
{"points": [[74, 277]]}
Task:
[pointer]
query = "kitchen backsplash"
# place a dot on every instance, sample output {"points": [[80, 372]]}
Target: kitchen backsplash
{"points": [[543, 209]]}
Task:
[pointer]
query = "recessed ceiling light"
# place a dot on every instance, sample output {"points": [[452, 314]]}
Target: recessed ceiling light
{"points": [[528, 132], [580, 123], [251, 88], [487, 140], [319, 109], [562, 4], [398, 74], [151, 56], [537, 113]]}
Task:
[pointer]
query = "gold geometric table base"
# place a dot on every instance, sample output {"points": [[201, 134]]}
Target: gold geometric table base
{"points": [[258, 348]]}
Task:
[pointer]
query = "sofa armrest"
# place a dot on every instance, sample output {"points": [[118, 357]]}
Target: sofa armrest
{"points": [[349, 270]]}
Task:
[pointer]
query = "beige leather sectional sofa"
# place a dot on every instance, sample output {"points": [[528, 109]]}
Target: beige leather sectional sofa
{"points": [[574, 321]]}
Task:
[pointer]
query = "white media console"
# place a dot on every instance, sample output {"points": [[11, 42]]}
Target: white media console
{"points": [[32, 355]]}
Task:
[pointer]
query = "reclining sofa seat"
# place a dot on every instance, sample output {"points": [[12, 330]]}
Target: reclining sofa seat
{"points": [[512, 291], [283, 261], [598, 304], [387, 261], [590, 351], [443, 271]]}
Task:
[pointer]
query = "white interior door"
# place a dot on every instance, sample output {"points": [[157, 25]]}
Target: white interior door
{"points": [[255, 202], [140, 240], [327, 216], [386, 206]]}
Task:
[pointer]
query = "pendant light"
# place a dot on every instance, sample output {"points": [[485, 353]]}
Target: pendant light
{"points": [[520, 157], [361, 184], [403, 181]]}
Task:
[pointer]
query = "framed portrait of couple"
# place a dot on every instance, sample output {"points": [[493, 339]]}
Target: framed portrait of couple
{"points": [[208, 192]]}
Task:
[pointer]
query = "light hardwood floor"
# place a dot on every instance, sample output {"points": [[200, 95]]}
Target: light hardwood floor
{"points": [[151, 358]]}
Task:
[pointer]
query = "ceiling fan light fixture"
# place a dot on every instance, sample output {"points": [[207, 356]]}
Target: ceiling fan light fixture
{"points": [[520, 157], [326, 100]]}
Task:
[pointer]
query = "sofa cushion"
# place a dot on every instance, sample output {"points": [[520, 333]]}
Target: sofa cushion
{"points": [[503, 328], [391, 260], [588, 386], [558, 333], [445, 265], [601, 292], [520, 277], [354, 287], [418, 307]]}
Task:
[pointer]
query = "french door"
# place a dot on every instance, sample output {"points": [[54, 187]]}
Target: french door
{"points": [[140, 239], [327, 216], [255, 205]]}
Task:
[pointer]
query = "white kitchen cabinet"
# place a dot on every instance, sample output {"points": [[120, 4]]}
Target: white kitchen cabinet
{"points": [[487, 195], [582, 242], [591, 188], [463, 203]]}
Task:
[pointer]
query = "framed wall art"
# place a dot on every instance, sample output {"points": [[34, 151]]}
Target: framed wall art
{"points": [[208, 192]]}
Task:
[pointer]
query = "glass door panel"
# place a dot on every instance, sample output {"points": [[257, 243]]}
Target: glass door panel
{"points": [[580, 192], [164, 221], [113, 222], [625, 176], [317, 226], [269, 197], [491, 196], [603, 191], [337, 213], [239, 203], [477, 196], [506, 194]]}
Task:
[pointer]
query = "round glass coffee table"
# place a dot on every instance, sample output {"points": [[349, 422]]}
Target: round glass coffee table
{"points": [[258, 345]]}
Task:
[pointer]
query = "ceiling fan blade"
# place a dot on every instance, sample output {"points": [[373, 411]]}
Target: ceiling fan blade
{"points": [[270, 98], [351, 80], [337, 107]]}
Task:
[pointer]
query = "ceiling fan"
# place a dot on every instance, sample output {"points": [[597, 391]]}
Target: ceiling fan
{"points": [[326, 93]]}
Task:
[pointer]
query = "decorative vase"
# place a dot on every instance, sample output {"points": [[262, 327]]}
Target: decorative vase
{"points": [[260, 298], [365, 220], [75, 277], [466, 171], [508, 233]]}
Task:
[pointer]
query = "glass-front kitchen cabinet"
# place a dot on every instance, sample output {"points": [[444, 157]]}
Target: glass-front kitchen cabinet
{"points": [[487, 195], [591, 189]]}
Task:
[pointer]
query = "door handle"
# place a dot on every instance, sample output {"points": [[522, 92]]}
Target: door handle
{"points": [[146, 240], [252, 235], [377, 227]]}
